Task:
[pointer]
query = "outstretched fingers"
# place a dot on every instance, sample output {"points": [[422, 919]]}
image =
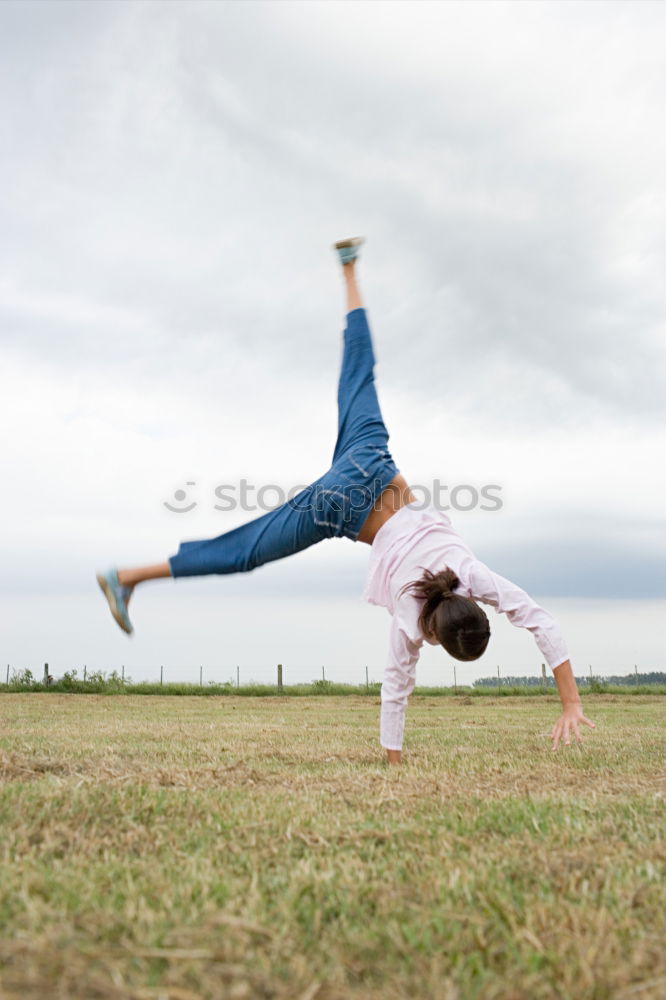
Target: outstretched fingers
{"points": [[568, 727], [560, 733]]}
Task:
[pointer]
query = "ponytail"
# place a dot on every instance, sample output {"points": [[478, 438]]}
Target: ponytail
{"points": [[433, 588]]}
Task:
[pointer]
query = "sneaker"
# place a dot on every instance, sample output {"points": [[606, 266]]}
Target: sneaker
{"points": [[348, 250], [118, 597]]}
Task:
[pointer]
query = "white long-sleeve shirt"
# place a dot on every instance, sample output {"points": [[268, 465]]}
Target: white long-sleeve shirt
{"points": [[410, 542]]}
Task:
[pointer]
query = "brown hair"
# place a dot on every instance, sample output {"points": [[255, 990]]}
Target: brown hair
{"points": [[457, 622]]}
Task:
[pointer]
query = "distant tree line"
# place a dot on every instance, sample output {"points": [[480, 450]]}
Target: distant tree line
{"points": [[628, 680]]}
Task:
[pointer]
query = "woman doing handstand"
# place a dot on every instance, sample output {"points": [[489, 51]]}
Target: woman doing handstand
{"points": [[421, 570]]}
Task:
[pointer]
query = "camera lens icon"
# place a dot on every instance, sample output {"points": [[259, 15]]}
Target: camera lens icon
{"points": [[180, 496]]}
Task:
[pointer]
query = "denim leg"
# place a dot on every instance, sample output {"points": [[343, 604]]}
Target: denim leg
{"points": [[359, 416], [330, 507], [275, 535]]}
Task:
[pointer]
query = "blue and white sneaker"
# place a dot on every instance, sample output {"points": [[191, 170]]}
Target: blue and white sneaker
{"points": [[348, 250], [118, 597]]}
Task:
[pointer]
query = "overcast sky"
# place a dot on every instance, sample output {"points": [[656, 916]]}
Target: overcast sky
{"points": [[172, 177]]}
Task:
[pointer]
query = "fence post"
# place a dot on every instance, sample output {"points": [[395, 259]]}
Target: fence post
{"points": [[46, 675], [323, 675], [7, 673], [200, 676], [279, 678], [455, 680], [499, 683], [544, 682], [123, 673], [237, 677], [161, 674], [85, 672], [367, 679], [591, 673]]}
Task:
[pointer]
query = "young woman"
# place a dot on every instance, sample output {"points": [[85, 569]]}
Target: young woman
{"points": [[420, 568]]}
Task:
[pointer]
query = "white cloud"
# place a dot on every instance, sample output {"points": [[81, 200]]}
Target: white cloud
{"points": [[174, 175]]}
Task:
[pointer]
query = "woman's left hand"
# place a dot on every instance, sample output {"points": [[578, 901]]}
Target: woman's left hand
{"points": [[569, 724]]}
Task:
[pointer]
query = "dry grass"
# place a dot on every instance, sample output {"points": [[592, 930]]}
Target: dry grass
{"points": [[186, 848]]}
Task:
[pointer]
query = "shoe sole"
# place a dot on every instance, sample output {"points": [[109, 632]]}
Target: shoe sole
{"points": [[353, 241], [111, 598]]}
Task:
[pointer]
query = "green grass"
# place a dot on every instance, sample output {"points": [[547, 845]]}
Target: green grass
{"points": [[182, 848], [112, 684]]}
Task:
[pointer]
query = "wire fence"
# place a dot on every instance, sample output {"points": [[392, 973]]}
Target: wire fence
{"points": [[223, 680]]}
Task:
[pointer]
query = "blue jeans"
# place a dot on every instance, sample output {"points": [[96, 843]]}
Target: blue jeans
{"points": [[337, 504]]}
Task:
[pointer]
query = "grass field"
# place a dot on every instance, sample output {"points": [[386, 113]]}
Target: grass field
{"points": [[180, 848]]}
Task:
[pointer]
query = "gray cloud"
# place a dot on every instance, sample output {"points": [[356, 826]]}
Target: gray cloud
{"points": [[173, 175]]}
